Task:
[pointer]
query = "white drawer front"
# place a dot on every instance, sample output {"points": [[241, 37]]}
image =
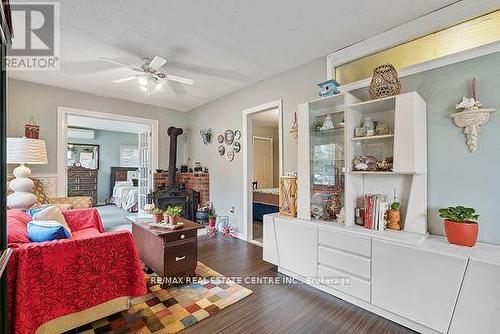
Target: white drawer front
{"points": [[358, 288], [350, 263], [346, 241]]}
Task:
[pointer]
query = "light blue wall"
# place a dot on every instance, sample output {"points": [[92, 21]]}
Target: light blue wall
{"points": [[109, 152], [456, 176]]}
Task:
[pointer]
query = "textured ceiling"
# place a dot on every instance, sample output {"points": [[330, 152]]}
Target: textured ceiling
{"points": [[224, 45]]}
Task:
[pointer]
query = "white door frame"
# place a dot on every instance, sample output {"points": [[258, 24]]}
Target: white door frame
{"points": [[247, 139], [62, 139]]}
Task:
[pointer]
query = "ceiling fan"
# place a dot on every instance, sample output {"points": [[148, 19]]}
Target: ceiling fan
{"points": [[149, 75]]}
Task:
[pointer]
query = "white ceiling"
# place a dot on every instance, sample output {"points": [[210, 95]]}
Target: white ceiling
{"points": [[109, 125], [224, 45]]}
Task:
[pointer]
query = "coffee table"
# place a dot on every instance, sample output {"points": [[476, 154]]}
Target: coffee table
{"points": [[169, 253]]}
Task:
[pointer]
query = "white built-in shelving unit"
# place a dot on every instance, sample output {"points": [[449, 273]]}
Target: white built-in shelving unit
{"points": [[407, 144]]}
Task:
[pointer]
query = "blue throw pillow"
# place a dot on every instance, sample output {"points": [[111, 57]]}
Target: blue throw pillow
{"points": [[39, 231], [33, 211]]}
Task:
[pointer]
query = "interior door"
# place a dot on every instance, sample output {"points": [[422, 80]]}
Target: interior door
{"points": [[145, 175], [263, 162]]}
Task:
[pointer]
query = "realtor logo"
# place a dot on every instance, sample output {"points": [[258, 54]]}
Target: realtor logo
{"points": [[35, 42]]}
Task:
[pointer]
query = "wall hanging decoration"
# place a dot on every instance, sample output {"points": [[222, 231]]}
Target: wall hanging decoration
{"points": [[294, 130], [329, 87], [288, 195], [221, 150], [385, 82], [206, 135], [236, 146], [471, 117], [237, 134], [31, 129], [229, 136], [229, 155], [220, 139]]}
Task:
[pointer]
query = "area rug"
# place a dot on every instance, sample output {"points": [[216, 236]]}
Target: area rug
{"points": [[172, 309]]}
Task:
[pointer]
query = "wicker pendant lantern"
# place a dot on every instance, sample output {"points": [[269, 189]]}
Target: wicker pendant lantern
{"points": [[385, 82]]}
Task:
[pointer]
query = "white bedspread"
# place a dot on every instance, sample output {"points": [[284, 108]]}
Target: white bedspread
{"points": [[125, 195]]}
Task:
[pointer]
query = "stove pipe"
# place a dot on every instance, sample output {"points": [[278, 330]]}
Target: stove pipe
{"points": [[173, 132]]}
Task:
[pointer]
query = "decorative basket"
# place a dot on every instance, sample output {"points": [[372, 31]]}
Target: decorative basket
{"points": [[385, 82]]}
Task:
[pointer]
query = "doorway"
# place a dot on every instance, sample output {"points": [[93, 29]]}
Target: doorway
{"points": [[145, 132], [262, 165]]}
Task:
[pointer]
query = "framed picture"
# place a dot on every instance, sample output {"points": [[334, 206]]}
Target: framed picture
{"points": [[229, 136], [237, 146], [220, 139], [222, 150], [221, 222], [83, 155]]}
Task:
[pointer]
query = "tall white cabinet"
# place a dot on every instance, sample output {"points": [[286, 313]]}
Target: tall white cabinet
{"points": [[407, 276]]}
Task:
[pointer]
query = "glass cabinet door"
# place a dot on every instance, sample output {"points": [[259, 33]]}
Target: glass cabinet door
{"points": [[327, 164]]}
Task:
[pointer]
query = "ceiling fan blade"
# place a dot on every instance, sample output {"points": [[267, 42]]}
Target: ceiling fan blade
{"points": [[176, 78], [117, 62], [132, 77], [157, 62]]}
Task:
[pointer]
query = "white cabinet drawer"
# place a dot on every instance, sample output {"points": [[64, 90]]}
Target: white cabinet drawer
{"points": [[357, 287], [350, 242], [350, 263]]}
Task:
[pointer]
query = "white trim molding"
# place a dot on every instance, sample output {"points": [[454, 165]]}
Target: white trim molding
{"points": [[445, 17], [62, 138], [247, 151]]}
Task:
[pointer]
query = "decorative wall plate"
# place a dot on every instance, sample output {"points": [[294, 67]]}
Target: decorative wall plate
{"points": [[236, 146], [237, 135], [230, 155], [221, 149], [229, 136], [220, 139]]}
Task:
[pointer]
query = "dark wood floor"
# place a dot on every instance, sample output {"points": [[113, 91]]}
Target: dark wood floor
{"points": [[279, 308]]}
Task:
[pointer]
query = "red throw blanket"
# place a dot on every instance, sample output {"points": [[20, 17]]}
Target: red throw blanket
{"points": [[51, 279]]}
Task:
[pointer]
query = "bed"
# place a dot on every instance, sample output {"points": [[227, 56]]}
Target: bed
{"points": [[265, 201], [124, 190]]}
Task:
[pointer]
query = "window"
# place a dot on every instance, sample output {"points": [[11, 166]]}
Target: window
{"points": [[129, 156]]}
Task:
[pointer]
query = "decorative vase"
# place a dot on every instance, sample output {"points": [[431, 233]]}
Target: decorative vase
{"points": [[461, 233], [172, 220], [211, 222], [158, 218], [394, 217]]}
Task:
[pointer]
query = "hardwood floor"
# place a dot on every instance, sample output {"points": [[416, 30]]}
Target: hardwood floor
{"points": [[279, 308]]}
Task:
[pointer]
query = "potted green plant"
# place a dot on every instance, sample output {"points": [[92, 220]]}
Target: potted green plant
{"points": [[173, 212], [212, 216], [460, 225], [158, 215]]}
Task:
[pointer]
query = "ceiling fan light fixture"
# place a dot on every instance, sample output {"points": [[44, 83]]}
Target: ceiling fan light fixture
{"points": [[143, 81]]}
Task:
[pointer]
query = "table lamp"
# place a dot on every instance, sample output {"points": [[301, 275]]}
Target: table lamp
{"points": [[24, 151]]}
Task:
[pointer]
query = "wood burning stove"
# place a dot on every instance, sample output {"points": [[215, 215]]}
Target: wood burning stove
{"points": [[175, 194]]}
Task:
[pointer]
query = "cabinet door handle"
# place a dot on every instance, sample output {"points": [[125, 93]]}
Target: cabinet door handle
{"points": [[182, 236], [180, 258]]}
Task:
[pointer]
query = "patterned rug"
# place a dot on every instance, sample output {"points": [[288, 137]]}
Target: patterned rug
{"points": [[172, 309]]}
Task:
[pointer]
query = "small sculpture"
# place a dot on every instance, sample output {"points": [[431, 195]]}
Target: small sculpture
{"points": [[294, 130], [394, 216]]}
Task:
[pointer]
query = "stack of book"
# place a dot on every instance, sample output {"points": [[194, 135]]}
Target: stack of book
{"points": [[375, 211]]}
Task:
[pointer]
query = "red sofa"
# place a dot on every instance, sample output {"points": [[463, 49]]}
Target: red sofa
{"points": [[53, 279]]}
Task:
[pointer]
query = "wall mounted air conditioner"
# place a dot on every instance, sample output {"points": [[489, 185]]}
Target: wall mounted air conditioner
{"points": [[80, 133]]}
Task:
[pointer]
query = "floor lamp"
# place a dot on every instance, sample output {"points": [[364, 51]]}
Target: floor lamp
{"points": [[24, 151]]}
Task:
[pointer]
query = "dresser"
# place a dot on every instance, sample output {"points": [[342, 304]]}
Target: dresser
{"points": [[82, 182], [169, 253]]}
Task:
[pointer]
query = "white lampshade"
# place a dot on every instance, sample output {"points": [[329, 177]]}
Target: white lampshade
{"points": [[26, 151]]}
